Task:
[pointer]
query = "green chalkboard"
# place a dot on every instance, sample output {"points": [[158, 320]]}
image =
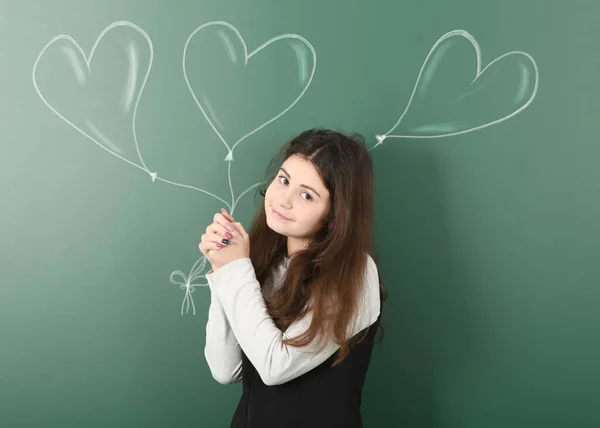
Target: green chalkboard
{"points": [[126, 125]]}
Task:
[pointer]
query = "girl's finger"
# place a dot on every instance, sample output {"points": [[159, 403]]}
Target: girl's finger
{"points": [[209, 242], [227, 215], [220, 218], [237, 227], [207, 247], [218, 230]]}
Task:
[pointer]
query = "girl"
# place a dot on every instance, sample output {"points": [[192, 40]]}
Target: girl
{"points": [[295, 303]]}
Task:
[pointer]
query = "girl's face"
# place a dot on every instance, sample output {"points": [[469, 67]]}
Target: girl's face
{"points": [[298, 194]]}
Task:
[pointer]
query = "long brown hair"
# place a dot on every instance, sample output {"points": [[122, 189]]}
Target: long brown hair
{"points": [[329, 272]]}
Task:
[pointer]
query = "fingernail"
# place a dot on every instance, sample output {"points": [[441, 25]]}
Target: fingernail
{"points": [[228, 235], [228, 227], [220, 245]]}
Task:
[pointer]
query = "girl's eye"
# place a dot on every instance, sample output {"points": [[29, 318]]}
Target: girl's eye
{"points": [[283, 179]]}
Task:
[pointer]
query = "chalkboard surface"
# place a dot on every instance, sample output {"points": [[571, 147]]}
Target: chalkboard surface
{"points": [[126, 125]]}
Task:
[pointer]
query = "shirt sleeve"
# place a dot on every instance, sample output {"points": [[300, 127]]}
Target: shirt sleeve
{"points": [[242, 301], [222, 350]]}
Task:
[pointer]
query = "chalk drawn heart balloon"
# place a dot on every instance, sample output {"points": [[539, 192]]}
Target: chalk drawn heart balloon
{"points": [[98, 94], [241, 92], [453, 95]]}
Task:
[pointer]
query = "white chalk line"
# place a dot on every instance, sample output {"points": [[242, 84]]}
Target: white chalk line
{"points": [[112, 146], [247, 57], [131, 78], [462, 33], [88, 60]]}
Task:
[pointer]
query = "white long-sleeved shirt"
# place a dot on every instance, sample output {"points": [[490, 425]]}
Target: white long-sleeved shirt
{"points": [[238, 320]]}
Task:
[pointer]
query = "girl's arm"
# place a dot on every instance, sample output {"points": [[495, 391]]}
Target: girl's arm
{"points": [[222, 350], [242, 301]]}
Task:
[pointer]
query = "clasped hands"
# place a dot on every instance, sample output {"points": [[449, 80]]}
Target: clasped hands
{"points": [[224, 241]]}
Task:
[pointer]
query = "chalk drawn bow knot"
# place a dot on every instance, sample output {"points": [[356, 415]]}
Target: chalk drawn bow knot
{"points": [[187, 283]]}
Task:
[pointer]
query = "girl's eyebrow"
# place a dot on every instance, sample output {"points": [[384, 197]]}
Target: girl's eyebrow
{"points": [[302, 185]]}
